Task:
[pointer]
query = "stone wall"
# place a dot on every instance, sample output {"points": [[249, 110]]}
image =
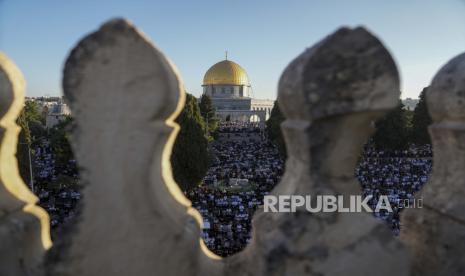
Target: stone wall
{"points": [[134, 220]]}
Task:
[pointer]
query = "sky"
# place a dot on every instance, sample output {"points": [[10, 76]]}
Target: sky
{"points": [[262, 36]]}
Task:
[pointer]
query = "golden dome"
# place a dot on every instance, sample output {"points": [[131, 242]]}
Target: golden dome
{"points": [[226, 72]]}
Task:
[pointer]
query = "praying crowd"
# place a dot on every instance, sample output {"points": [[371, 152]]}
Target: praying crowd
{"points": [[238, 127], [227, 213], [53, 185], [396, 174], [250, 157], [424, 151], [245, 167]]}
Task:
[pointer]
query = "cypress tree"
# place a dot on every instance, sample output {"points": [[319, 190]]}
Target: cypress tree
{"points": [[420, 122], [273, 128], [391, 130], [59, 141], [208, 113], [190, 159]]}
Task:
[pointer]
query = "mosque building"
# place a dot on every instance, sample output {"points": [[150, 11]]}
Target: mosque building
{"points": [[228, 86]]}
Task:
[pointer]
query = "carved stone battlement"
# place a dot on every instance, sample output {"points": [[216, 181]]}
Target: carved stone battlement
{"points": [[134, 220]]}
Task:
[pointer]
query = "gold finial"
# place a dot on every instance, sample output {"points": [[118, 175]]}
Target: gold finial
{"points": [[226, 54]]}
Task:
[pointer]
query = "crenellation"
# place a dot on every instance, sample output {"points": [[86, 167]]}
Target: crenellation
{"points": [[24, 227], [134, 219], [436, 233]]}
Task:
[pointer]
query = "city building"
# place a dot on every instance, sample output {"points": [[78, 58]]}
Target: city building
{"points": [[54, 109], [228, 85], [57, 112]]}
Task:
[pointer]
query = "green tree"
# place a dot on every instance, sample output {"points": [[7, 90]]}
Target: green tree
{"points": [[22, 150], [32, 122], [31, 111], [190, 159], [392, 130], [208, 113], [59, 142], [32, 129], [273, 128], [420, 121]]}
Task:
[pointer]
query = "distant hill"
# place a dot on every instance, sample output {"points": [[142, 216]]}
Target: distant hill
{"points": [[410, 103]]}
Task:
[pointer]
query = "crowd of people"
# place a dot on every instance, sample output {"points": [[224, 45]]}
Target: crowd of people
{"points": [[239, 127], [226, 217], [227, 206], [424, 151], [251, 157], [55, 186], [245, 167], [227, 213], [395, 174]]}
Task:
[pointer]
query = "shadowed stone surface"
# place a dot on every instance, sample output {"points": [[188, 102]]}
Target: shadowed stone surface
{"points": [[436, 233], [329, 94], [134, 220], [24, 227]]}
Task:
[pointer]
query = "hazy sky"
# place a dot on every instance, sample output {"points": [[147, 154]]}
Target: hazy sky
{"points": [[262, 36]]}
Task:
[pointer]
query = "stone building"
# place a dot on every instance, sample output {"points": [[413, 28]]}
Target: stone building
{"points": [[134, 219], [57, 112], [228, 85], [54, 109]]}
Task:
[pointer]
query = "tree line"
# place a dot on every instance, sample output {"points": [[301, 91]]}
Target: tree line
{"points": [[397, 130], [198, 126], [33, 133], [190, 158]]}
